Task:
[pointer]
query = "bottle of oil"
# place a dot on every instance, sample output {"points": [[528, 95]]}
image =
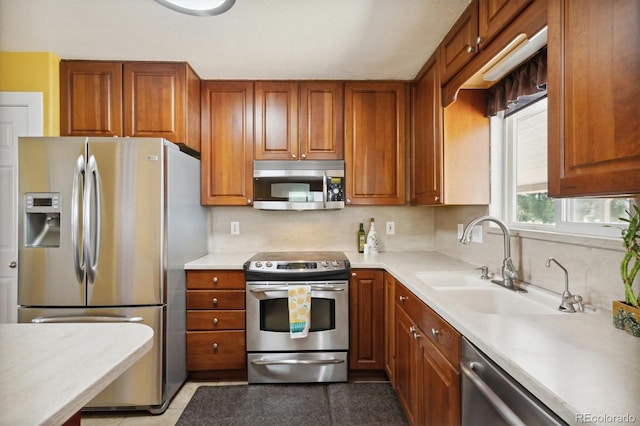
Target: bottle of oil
{"points": [[361, 239]]}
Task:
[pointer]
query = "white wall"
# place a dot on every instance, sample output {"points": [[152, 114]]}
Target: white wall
{"points": [[319, 230], [593, 263]]}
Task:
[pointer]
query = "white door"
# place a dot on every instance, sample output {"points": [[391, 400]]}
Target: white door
{"points": [[20, 115]]}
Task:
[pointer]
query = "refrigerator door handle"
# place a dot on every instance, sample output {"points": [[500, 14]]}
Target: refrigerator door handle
{"points": [[93, 179], [75, 217], [80, 318]]}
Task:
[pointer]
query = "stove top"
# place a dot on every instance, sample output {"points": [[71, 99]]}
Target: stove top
{"points": [[305, 264]]}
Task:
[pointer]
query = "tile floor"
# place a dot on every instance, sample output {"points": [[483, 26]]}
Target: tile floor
{"points": [[168, 418]]}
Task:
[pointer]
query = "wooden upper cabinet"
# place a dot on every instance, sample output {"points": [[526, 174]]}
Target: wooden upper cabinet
{"points": [[321, 120], [227, 143], [375, 142], [299, 120], [158, 98], [594, 98], [91, 98], [461, 43], [141, 99], [276, 109], [494, 15], [426, 136]]}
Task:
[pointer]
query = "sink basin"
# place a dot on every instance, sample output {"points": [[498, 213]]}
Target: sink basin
{"points": [[501, 301], [478, 295]]}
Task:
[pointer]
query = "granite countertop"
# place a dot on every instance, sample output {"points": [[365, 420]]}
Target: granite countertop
{"points": [[579, 365], [50, 371]]}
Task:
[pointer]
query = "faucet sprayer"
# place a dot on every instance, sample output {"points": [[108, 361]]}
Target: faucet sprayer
{"points": [[509, 272]]}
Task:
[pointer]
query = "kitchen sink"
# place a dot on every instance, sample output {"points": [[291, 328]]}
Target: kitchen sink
{"points": [[477, 295]]}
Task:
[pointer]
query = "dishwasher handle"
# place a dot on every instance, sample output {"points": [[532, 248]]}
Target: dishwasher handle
{"points": [[501, 407]]}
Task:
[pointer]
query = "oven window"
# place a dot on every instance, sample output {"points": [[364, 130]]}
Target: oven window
{"points": [[274, 315]]}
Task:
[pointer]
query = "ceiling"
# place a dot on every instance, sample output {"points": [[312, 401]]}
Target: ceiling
{"points": [[256, 39]]}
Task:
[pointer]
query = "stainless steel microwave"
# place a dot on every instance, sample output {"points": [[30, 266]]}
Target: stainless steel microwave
{"points": [[298, 185]]}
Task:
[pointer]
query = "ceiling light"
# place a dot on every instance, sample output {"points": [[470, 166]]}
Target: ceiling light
{"points": [[198, 7]]}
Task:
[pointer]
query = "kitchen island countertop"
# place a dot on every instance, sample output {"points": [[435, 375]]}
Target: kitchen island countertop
{"points": [[579, 365], [49, 372]]}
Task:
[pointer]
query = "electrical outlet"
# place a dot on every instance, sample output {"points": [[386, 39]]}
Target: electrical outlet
{"points": [[476, 234], [460, 230], [235, 228], [391, 228]]}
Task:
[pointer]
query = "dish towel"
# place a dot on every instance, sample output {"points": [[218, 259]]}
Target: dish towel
{"points": [[299, 310]]}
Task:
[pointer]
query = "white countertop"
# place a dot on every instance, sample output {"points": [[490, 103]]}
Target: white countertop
{"points": [[578, 364], [50, 371]]}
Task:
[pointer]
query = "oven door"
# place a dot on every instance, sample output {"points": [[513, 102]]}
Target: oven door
{"points": [[268, 317]]}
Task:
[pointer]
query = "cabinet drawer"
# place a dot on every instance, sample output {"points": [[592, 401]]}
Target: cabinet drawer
{"points": [[441, 333], [216, 350], [224, 299], [215, 320], [215, 279]]}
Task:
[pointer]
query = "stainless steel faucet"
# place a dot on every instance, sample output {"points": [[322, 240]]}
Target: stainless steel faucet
{"points": [[568, 299], [509, 272]]}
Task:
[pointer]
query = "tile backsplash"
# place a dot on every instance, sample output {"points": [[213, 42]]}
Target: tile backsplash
{"points": [[319, 230]]}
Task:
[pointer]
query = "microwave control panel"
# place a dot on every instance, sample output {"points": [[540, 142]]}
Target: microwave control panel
{"points": [[335, 188]]}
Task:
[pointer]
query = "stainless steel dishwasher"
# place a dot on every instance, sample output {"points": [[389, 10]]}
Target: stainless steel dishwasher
{"points": [[491, 397]]}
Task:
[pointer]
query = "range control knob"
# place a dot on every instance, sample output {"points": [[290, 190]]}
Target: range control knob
{"points": [[258, 264], [324, 263], [269, 264], [335, 263]]}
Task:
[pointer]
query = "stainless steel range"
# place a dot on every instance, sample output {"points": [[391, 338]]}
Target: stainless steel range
{"points": [[275, 354]]}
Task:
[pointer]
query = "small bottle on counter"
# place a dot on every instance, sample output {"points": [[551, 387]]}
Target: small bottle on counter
{"points": [[361, 239], [372, 237]]}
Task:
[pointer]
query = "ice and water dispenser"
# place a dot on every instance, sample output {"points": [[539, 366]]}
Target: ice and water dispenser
{"points": [[42, 219]]}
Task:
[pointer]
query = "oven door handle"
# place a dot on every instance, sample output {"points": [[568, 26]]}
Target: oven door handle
{"points": [[501, 407], [297, 361], [285, 288]]}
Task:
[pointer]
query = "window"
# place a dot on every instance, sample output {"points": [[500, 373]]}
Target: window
{"points": [[519, 149]]}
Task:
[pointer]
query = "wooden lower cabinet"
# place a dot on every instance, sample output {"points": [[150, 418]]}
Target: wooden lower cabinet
{"points": [[366, 312], [426, 377], [216, 340], [389, 325]]}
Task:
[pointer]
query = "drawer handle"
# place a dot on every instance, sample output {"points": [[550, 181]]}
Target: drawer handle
{"points": [[403, 298], [215, 347], [215, 300], [215, 320], [412, 329], [215, 280], [416, 336], [435, 332]]}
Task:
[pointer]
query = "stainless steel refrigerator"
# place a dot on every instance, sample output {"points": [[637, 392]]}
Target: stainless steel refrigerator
{"points": [[105, 227]]}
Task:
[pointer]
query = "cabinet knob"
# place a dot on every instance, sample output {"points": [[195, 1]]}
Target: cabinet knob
{"points": [[215, 279], [12, 264], [403, 298], [435, 332], [215, 320], [215, 300], [412, 329], [215, 347], [416, 336], [353, 274], [348, 200], [479, 40], [293, 156], [470, 49], [248, 200], [437, 198], [303, 156]]}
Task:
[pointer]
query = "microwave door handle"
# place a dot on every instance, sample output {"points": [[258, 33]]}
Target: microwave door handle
{"points": [[324, 189], [75, 217]]}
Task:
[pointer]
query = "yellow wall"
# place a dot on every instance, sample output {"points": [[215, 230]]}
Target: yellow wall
{"points": [[34, 72]]}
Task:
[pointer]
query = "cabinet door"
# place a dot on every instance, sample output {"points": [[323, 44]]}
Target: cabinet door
{"points": [[494, 15], [594, 98], [321, 120], [227, 143], [426, 137], [153, 100], [439, 387], [460, 44], [366, 311], [406, 373], [90, 98], [375, 143], [276, 108], [389, 325]]}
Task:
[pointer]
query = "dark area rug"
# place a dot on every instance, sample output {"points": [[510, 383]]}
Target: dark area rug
{"points": [[306, 404]]}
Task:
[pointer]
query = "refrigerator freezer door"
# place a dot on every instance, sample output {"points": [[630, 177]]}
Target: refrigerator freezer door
{"points": [[128, 252], [141, 385], [51, 274]]}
